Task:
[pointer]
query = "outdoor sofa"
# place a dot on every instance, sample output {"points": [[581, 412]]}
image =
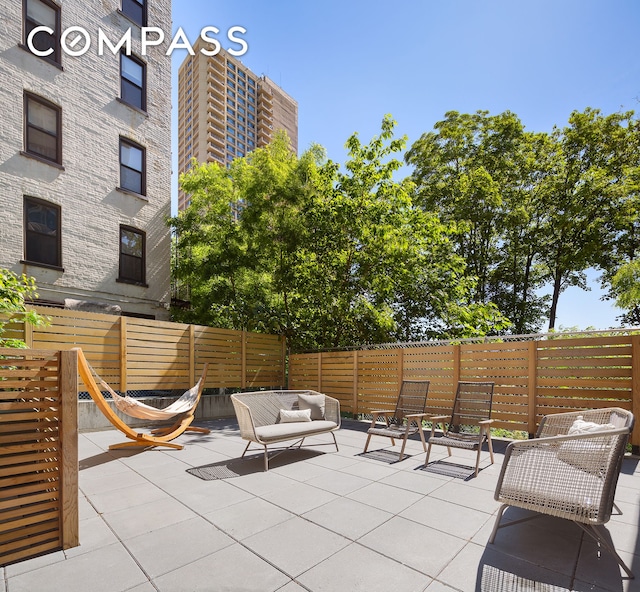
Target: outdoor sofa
{"points": [[270, 417]]}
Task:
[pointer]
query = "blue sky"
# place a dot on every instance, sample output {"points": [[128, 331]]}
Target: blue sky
{"points": [[350, 62]]}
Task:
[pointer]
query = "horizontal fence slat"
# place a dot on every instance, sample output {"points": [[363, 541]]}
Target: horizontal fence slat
{"points": [[567, 373]]}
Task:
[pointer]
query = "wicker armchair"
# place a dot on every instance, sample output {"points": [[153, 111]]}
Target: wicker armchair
{"points": [[471, 408], [571, 476], [407, 417]]}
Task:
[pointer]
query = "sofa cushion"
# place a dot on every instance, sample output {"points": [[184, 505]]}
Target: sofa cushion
{"points": [[288, 431], [313, 402], [294, 415]]}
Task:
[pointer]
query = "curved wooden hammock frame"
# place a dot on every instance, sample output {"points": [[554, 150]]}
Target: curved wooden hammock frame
{"points": [[158, 437]]}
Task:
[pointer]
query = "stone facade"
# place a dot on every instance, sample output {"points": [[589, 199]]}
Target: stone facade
{"points": [[86, 183]]}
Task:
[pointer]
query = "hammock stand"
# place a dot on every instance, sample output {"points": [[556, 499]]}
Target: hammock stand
{"points": [[180, 412]]}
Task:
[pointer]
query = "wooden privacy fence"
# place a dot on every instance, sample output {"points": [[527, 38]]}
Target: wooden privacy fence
{"points": [[142, 354], [533, 378], [38, 452]]}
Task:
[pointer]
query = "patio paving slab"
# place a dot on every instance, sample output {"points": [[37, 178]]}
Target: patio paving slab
{"points": [[318, 521], [404, 541], [233, 569], [296, 545], [106, 569], [359, 569], [385, 497], [348, 517], [248, 517], [158, 553]]}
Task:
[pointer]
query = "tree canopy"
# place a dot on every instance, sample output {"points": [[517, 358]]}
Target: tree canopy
{"points": [[490, 227], [327, 256], [533, 210]]}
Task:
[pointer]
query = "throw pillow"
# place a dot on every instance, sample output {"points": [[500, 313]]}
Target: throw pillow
{"points": [[314, 403], [294, 415], [586, 427]]}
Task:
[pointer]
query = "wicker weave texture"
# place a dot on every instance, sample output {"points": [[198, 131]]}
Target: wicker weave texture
{"points": [[567, 476]]}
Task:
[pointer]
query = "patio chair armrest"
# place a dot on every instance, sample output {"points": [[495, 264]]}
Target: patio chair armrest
{"points": [[378, 413], [435, 420], [412, 415], [439, 417], [486, 422]]}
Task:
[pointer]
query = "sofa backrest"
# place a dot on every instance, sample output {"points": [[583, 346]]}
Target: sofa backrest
{"points": [[265, 405]]}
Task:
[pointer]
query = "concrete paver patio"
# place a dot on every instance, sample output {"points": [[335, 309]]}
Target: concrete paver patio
{"points": [[319, 520]]}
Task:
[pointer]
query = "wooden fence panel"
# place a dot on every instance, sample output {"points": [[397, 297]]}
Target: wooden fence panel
{"points": [[38, 453], [264, 361], [143, 354], [584, 373], [157, 355], [507, 365], [97, 334], [379, 377], [222, 350], [337, 378], [304, 372], [533, 377], [435, 364]]}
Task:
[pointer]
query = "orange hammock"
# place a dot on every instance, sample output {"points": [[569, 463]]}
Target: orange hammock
{"points": [[181, 411]]}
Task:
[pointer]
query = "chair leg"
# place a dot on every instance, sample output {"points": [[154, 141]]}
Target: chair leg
{"points": [[404, 443], [426, 460], [336, 442], [424, 442], [366, 443], [490, 445], [478, 461], [593, 532], [496, 524], [266, 459], [246, 448]]}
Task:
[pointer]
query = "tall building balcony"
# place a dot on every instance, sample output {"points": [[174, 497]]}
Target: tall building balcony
{"points": [[215, 67], [215, 106], [264, 135]]}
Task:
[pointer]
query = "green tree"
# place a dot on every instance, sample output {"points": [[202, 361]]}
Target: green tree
{"points": [[324, 256], [626, 285], [580, 195], [623, 219], [15, 290], [477, 171]]}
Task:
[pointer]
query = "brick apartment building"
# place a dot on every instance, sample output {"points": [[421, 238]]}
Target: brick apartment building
{"points": [[85, 155]]}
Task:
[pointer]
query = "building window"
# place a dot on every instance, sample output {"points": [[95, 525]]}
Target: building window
{"points": [[132, 255], [133, 77], [42, 13], [42, 129], [132, 167], [135, 10], [42, 243]]}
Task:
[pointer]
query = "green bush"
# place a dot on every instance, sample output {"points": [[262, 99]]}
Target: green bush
{"points": [[15, 290]]}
